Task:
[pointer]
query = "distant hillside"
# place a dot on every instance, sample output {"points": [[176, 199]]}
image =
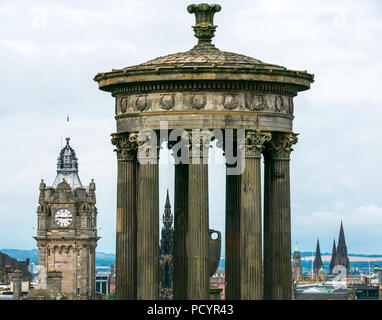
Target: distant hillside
{"points": [[106, 259], [102, 258]]}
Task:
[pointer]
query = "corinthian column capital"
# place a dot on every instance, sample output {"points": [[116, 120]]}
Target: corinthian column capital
{"points": [[126, 145], [280, 147], [255, 142], [200, 143]]}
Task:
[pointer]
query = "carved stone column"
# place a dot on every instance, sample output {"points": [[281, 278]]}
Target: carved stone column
{"points": [[148, 227], [243, 223], [180, 227], [126, 237], [232, 240], [277, 228], [197, 222]]}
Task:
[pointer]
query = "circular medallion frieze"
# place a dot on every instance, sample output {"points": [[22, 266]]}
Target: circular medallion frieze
{"points": [[290, 105], [279, 103], [270, 102], [141, 102], [256, 102], [198, 101], [167, 101], [229, 101], [123, 104]]}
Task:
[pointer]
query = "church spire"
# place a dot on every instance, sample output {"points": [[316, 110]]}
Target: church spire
{"points": [[341, 238], [317, 261], [342, 252], [332, 260], [167, 215], [167, 230], [167, 204]]}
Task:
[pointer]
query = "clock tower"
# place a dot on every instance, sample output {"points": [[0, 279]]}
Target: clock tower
{"points": [[67, 229]]}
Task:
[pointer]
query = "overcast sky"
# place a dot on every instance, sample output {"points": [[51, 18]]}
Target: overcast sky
{"points": [[51, 50]]}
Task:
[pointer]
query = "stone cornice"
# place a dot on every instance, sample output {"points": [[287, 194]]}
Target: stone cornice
{"points": [[212, 84], [65, 238], [109, 81]]}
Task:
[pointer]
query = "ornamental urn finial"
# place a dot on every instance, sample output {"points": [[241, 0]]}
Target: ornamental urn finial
{"points": [[204, 16]]}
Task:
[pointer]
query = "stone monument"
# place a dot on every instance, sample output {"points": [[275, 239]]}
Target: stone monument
{"points": [[248, 105]]}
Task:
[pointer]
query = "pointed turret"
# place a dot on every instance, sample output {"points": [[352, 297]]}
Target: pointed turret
{"points": [[167, 204], [332, 260], [342, 252], [317, 261], [167, 230], [67, 167], [167, 215]]}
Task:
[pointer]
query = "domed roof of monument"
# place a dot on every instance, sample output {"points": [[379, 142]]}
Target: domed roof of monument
{"points": [[203, 62], [206, 55]]}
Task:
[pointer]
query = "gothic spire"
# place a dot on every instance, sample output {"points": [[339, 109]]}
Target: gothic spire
{"points": [[167, 215], [333, 259], [167, 205], [341, 239], [166, 266], [317, 261], [342, 252], [167, 230]]}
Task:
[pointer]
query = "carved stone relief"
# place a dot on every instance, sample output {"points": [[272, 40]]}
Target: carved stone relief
{"points": [[208, 100], [230, 101], [198, 101], [254, 101], [167, 101], [141, 102]]}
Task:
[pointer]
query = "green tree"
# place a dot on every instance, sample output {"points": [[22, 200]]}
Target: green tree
{"points": [[110, 296]]}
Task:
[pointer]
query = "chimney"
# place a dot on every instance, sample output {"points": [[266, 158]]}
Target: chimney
{"points": [[16, 281]]}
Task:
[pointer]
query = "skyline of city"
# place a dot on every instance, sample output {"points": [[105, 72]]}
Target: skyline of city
{"points": [[334, 169]]}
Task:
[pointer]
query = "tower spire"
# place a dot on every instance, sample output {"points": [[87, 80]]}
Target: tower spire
{"points": [[342, 252], [166, 248], [167, 204], [341, 237], [67, 167], [333, 259], [317, 261]]}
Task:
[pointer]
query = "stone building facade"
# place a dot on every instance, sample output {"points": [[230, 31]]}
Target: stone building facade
{"points": [[67, 229], [296, 266]]}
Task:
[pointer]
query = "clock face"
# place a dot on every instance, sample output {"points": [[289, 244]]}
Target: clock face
{"points": [[63, 218]]}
